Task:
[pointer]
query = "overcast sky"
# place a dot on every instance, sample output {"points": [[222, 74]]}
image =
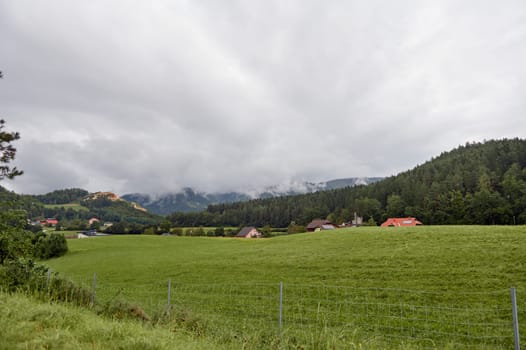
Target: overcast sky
{"points": [[152, 96]]}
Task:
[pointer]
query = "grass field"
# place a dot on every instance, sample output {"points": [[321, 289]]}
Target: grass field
{"points": [[69, 233], [74, 206], [434, 287]]}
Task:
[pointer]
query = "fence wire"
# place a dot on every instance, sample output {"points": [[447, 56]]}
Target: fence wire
{"points": [[427, 319]]}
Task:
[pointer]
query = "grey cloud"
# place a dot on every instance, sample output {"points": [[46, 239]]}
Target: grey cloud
{"points": [[154, 97]]}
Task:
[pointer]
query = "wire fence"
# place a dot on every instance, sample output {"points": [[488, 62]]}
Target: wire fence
{"points": [[425, 319]]}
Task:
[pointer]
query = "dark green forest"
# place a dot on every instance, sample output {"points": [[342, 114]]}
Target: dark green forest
{"points": [[66, 196], [477, 183]]}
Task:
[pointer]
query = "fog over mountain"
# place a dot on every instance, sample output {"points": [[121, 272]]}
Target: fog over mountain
{"points": [[189, 199]]}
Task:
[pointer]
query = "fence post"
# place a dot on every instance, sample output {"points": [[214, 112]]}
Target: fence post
{"points": [[516, 337], [93, 288], [48, 279], [169, 296], [280, 307]]}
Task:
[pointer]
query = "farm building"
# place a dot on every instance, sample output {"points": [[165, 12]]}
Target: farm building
{"points": [[320, 224], [401, 222], [249, 232], [49, 221]]}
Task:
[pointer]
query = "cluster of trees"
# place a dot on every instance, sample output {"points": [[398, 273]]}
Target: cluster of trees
{"points": [[18, 246], [65, 196], [477, 183]]}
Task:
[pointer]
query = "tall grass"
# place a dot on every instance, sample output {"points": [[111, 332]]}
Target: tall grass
{"points": [[26, 323]]}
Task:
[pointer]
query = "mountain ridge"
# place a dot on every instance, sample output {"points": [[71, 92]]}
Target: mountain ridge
{"points": [[192, 200]]}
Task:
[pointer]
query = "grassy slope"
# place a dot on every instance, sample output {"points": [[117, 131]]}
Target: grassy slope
{"points": [[463, 265], [428, 258], [74, 206], [29, 324]]}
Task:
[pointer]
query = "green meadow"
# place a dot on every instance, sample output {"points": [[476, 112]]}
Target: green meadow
{"points": [[73, 206], [421, 287]]}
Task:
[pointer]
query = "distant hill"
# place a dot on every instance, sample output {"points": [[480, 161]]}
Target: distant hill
{"points": [[73, 206], [190, 200], [477, 183]]}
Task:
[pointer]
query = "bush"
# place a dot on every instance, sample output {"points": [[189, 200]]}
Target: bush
{"points": [[219, 232], [21, 272], [296, 229], [15, 244], [50, 246]]}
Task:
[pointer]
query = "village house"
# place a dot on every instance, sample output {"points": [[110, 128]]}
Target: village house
{"points": [[50, 221], [93, 220], [320, 224], [401, 222], [249, 232]]}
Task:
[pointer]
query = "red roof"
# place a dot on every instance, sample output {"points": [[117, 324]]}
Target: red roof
{"points": [[49, 222], [397, 222]]}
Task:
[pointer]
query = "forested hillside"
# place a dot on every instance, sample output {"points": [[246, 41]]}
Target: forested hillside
{"points": [[58, 205], [478, 183]]}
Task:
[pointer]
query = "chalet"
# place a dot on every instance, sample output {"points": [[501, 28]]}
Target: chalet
{"points": [[401, 222], [249, 232], [320, 224]]}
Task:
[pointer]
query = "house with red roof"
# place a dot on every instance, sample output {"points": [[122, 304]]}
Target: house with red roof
{"points": [[401, 222], [50, 221]]}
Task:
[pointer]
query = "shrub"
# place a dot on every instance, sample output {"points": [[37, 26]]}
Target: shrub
{"points": [[18, 273], [293, 228], [50, 246]]}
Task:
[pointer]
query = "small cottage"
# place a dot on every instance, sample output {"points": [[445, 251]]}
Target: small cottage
{"points": [[320, 224], [50, 221], [249, 232]]}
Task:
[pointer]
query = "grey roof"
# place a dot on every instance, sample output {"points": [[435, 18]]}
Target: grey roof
{"points": [[318, 223], [245, 230]]}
